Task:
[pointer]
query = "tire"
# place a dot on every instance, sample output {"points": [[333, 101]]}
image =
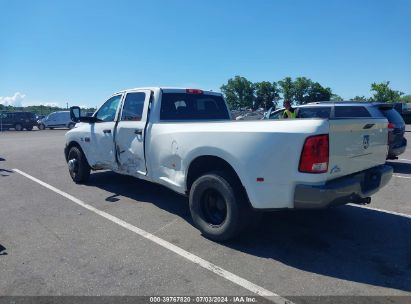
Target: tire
{"points": [[41, 127], [18, 127], [71, 125], [218, 206], [78, 167], [29, 128], [51, 128]]}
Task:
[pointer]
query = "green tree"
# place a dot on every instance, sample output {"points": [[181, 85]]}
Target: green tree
{"points": [[336, 97], [287, 88], [317, 92], [359, 98], [239, 92], [383, 92], [266, 94], [406, 98], [302, 88]]}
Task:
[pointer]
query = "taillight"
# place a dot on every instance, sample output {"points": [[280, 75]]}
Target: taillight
{"points": [[314, 157], [194, 91], [391, 126]]}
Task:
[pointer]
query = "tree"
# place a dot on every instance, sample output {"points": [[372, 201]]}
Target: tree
{"points": [[239, 92], [406, 98], [359, 98], [302, 88], [287, 88], [266, 94], [336, 97], [384, 93]]}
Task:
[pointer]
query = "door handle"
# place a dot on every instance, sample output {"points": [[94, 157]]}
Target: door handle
{"points": [[138, 131], [107, 131]]}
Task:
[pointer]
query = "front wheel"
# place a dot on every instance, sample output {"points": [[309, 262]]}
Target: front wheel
{"points": [[78, 167], [41, 127], [71, 125], [218, 206], [18, 127]]}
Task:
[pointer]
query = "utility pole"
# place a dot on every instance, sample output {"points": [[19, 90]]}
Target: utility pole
{"points": [[67, 105]]}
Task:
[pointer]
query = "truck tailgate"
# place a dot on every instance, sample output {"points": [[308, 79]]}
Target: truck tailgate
{"points": [[356, 145]]}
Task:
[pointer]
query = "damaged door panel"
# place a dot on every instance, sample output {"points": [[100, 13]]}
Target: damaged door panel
{"points": [[130, 133]]}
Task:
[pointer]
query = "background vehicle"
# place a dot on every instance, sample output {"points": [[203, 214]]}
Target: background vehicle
{"points": [[185, 140], [396, 140], [17, 120], [59, 119]]}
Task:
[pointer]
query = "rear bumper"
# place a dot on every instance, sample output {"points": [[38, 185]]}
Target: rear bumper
{"points": [[348, 189], [398, 149]]}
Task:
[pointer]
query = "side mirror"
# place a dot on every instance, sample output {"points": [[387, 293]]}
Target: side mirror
{"points": [[75, 113]]}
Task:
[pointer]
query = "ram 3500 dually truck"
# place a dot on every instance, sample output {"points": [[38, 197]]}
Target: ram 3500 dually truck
{"points": [[185, 140]]}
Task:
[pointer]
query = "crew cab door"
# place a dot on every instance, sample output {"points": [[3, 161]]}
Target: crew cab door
{"points": [[100, 144], [130, 132]]}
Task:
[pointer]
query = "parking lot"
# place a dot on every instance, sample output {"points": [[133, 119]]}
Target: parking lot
{"points": [[121, 236]]}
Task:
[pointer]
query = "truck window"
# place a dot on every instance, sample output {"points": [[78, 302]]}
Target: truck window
{"points": [[133, 106], [108, 110], [351, 112], [314, 112], [182, 106]]}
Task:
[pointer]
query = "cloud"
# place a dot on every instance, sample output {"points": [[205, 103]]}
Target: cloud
{"points": [[16, 100]]}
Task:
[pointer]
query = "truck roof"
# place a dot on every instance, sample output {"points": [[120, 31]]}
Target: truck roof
{"points": [[167, 90]]}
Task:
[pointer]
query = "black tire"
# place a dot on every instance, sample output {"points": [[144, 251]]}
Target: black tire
{"points": [[29, 128], [18, 127], [51, 128], [71, 125], [41, 127], [218, 206], [78, 167]]}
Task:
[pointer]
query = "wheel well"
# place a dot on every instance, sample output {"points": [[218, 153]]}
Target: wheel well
{"points": [[203, 164]]}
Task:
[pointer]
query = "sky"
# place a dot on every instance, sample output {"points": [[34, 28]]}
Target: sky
{"points": [[80, 52]]}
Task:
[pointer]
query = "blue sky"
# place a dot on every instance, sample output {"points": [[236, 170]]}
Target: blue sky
{"points": [[83, 51]]}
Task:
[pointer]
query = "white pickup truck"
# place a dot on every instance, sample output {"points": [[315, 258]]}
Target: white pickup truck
{"points": [[185, 140]]}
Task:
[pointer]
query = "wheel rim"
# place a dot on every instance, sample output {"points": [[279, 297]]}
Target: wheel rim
{"points": [[73, 166], [214, 207], [41, 127]]}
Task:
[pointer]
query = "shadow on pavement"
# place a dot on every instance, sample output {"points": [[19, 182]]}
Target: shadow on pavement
{"points": [[2, 250], [140, 190], [399, 167], [5, 170], [348, 243]]}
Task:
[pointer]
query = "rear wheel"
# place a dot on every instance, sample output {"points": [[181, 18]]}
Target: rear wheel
{"points": [[41, 127], [29, 128], [78, 167], [218, 206], [71, 125], [18, 127]]}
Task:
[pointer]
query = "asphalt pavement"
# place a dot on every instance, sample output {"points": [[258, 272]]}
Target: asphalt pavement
{"points": [[51, 245]]}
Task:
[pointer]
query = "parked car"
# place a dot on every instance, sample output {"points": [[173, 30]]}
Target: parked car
{"points": [[396, 139], [17, 120], [185, 140], [250, 116], [59, 119]]}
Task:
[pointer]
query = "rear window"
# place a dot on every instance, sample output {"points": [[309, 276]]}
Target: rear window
{"points": [[182, 106], [351, 112], [314, 112], [393, 116]]}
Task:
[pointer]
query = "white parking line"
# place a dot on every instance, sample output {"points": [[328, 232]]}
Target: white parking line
{"points": [[181, 252], [400, 176], [382, 210]]}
